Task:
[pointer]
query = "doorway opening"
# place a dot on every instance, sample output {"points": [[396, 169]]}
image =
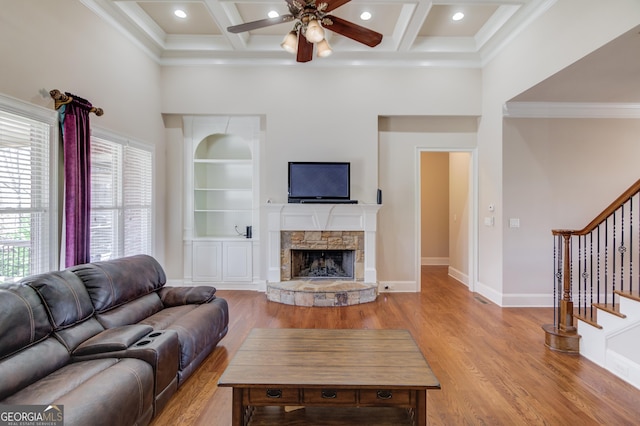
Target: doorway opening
{"points": [[447, 213]]}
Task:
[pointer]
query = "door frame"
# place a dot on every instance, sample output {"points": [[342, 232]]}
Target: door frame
{"points": [[473, 214]]}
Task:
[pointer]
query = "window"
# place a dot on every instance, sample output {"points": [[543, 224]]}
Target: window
{"points": [[121, 197], [28, 243]]}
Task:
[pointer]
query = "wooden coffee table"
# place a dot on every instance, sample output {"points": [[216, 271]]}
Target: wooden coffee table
{"points": [[329, 368]]}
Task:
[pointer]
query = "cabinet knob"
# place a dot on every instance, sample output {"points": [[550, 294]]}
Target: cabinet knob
{"points": [[329, 394], [274, 393], [384, 394]]}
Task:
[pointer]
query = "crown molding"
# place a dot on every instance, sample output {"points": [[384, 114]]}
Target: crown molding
{"points": [[571, 110]]}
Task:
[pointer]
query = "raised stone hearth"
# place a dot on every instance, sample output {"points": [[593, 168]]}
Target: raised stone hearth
{"points": [[321, 293]]}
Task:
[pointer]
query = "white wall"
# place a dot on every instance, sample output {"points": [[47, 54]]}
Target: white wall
{"points": [[323, 114], [460, 208], [564, 34], [558, 174], [62, 45], [399, 173]]}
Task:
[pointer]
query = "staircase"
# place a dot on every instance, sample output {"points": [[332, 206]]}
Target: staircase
{"points": [[597, 289], [614, 341]]}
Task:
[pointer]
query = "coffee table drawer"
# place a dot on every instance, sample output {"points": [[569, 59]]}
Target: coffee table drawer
{"points": [[385, 397], [329, 396], [275, 396]]}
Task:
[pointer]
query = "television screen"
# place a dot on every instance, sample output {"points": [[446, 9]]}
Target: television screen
{"points": [[320, 181]]}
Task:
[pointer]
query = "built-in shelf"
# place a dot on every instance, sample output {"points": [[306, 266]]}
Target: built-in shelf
{"points": [[220, 197]]}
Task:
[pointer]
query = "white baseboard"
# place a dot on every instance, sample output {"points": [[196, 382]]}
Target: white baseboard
{"points": [[174, 282], [623, 367], [533, 300], [489, 293], [434, 261], [255, 286], [398, 287], [459, 276]]}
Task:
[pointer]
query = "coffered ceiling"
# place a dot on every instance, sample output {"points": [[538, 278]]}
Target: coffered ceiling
{"points": [[415, 32]]}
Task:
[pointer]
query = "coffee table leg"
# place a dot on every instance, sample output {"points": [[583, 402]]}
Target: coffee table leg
{"points": [[237, 413], [421, 408]]}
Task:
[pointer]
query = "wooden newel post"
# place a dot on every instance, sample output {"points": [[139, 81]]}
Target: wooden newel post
{"points": [[562, 335], [565, 320]]}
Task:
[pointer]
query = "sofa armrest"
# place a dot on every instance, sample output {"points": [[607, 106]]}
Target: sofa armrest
{"points": [[178, 296], [113, 339]]}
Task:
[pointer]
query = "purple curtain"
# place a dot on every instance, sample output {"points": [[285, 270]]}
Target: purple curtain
{"points": [[76, 138]]}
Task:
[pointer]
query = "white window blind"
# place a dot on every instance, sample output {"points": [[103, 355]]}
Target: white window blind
{"points": [[121, 199], [26, 243]]}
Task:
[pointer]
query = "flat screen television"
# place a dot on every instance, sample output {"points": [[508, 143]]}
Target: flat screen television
{"points": [[319, 182]]}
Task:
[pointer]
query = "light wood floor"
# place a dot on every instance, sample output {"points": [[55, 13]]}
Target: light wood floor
{"points": [[491, 362]]}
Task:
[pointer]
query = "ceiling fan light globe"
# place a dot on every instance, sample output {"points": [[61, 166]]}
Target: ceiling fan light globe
{"points": [[324, 49], [290, 42], [314, 33]]}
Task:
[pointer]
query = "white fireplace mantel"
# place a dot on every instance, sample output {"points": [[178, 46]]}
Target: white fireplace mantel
{"points": [[321, 217]]}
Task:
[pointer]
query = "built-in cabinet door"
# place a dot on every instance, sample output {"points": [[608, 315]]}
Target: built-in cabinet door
{"points": [[237, 261], [207, 261]]}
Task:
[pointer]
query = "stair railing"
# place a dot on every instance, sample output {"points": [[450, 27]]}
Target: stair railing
{"points": [[592, 266]]}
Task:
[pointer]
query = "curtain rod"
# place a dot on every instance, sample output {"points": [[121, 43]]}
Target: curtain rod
{"points": [[62, 99]]}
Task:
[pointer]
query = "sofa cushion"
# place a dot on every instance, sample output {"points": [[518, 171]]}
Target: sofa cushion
{"points": [[116, 282], [30, 365], [106, 391], [131, 313], [23, 319], [64, 296], [199, 327], [176, 296], [71, 337]]}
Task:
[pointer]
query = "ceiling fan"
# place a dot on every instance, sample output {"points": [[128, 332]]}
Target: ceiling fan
{"points": [[310, 19]]}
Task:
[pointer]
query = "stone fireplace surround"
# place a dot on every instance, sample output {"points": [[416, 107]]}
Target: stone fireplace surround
{"points": [[320, 240], [343, 226]]}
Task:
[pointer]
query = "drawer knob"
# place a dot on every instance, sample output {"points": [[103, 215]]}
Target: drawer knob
{"points": [[384, 394], [329, 394], [274, 393]]}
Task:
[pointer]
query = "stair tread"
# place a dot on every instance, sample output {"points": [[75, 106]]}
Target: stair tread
{"points": [[613, 309], [634, 295]]}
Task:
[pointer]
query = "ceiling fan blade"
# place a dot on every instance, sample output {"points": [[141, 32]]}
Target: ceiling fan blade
{"points": [[254, 25], [353, 31], [332, 4], [305, 49]]}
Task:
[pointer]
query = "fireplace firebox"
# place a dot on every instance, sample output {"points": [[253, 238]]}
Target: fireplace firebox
{"points": [[322, 264]]}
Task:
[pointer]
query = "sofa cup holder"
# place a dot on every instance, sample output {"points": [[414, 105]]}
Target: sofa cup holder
{"points": [[149, 338]]}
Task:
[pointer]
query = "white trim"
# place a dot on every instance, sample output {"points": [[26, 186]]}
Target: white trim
{"points": [[108, 135], [489, 293], [571, 110], [458, 276], [25, 109], [435, 261], [473, 216], [533, 300], [398, 287]]}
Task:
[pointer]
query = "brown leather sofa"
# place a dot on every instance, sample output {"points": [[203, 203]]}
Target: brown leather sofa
{"points": [[107, 340]]}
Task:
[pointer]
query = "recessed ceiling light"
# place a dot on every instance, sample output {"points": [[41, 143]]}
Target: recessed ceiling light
{"points": [[365, 16], [457, 16], [180, 13], [273, 14]]}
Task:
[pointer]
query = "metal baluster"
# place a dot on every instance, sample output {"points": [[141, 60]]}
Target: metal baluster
{"points": [[591, 274], [606, 259]]}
